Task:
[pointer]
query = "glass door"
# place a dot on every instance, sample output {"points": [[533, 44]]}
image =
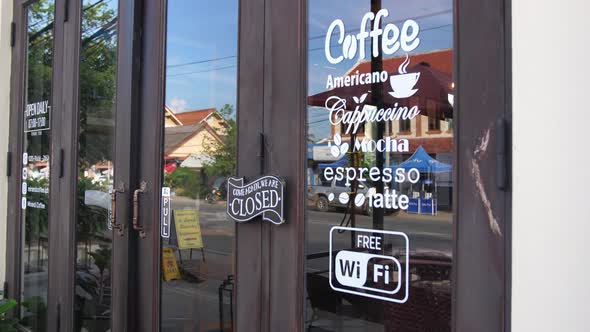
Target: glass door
{"points": [[71, 132], [199, 133], [185, 253], [36, 158], [380, 220], [143, 241]]}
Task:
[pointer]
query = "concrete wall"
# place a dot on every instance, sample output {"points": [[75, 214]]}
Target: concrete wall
{"points": [[551, 206], [5, 52]]}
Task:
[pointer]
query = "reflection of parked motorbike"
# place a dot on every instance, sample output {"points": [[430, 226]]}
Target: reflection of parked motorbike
{"points": [[218, 191]]}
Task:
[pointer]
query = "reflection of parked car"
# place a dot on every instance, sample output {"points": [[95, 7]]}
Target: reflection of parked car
{"points": [[320, 195]]}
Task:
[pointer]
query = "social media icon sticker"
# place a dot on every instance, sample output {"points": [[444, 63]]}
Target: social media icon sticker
{"points": [[25, 158]]}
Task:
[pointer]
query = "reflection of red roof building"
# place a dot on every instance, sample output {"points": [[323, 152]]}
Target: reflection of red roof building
{"points": [[194, 117], [188, 133], [174, 119], [433, 128]]}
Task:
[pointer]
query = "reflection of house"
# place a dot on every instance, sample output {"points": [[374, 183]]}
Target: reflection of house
{"points": [[188, 133], [433, 128]]}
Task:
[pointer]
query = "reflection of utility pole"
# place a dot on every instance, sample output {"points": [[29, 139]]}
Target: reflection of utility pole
{"points": [[377, 101], [355, 161]]}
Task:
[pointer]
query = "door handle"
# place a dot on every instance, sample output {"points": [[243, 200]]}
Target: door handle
{"points": [[136, 225], [113, 221]]}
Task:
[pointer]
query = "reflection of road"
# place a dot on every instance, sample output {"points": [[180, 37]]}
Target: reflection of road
{"points": [[426, 233], [217, 229], [191, 305]]}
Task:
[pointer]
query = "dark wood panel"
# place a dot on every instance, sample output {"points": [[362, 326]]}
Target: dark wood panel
{"points": [[285, 88], [251, 285], [13, 254], [125, 162], [482, 210], [149, 116], [62, 197]]}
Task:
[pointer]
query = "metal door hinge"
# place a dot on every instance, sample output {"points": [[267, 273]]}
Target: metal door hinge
{"points": [[502, 165], [8, 163], [5, 290], [261, 153], [66, 10], [61, 163], [12, 34], [58, 317]]}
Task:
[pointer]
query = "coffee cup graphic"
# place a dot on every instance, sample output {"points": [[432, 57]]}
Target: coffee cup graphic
{"points": [[403, 85]]}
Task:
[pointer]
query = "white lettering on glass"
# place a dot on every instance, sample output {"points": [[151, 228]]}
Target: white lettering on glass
{"points": [[392, 38]]}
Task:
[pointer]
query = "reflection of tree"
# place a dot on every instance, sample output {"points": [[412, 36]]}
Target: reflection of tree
{"points": [[38, 88], [97, 82], [36, 220], [37, 313], [102, 260], [98, 62], [223, 154], [40, 50]]}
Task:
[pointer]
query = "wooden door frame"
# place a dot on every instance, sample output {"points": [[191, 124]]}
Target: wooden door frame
{"points": [[483, 219], [267, 255], [14, 244], [14, 215], [150, 80]]}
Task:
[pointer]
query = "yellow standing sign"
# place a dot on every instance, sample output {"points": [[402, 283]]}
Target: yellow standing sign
{"points": [[169, 266], [188, 229]]}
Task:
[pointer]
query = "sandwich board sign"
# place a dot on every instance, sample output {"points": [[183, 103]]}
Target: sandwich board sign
{"points": [[188, 229]]}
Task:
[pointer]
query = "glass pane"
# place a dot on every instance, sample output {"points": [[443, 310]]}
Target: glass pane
{"points": [[35, 161], [98, 63], [380, 162], [200, 150]]}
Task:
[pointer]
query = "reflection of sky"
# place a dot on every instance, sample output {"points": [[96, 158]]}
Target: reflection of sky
{"points": [[435, 18], [202, 46], [202, 50]]}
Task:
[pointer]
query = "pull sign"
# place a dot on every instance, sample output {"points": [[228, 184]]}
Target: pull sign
{"points": [[110, 219], [262, 196], [166, 211]]}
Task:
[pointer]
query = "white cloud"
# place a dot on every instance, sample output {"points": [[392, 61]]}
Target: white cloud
{"points": [[179, 105]]}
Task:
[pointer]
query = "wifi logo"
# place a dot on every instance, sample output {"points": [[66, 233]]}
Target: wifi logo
{"points": [[376, 265]]}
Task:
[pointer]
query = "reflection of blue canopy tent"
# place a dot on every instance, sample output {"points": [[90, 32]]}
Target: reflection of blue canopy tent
{"points": [[338, 163], [424, 163]]}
